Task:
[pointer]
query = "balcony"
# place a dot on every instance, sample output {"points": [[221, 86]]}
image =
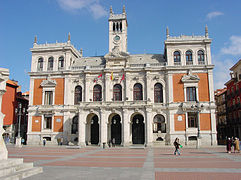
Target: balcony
{"points": [[177, 63], [189, 63], [201, 62], [237, 92]]}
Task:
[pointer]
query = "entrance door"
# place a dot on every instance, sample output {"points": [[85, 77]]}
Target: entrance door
{"points": [[138, 133], [116, 129], [94, 130]]}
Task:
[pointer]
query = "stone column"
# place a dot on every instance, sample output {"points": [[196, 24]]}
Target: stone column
{"points": [[148, 128], [125, 128], [4, 74]]}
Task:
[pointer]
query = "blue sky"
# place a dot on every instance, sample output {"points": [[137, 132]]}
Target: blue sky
{"points": [[87, 21]]}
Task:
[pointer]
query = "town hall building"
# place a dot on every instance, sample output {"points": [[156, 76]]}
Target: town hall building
{"points": [[125, 98]]}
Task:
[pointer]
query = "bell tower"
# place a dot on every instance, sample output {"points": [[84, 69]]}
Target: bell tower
{"points": [[118, 31]]}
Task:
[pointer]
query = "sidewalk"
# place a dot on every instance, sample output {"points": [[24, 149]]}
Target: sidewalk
{"points": [[124, 163]]}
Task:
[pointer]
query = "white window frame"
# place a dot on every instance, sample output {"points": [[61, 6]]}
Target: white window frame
{"points": [[43, 96], [185, 90]]}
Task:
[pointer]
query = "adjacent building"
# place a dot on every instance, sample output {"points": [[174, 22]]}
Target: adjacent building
{"points": [[10, 107], [233, 102], [221, 114], [127, 98]]}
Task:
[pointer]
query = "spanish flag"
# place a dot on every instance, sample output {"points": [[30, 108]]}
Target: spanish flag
{"points": [[111, 76]]}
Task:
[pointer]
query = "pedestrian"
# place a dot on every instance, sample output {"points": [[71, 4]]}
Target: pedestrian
{"points": [[113, 142], [176, 144], [236, 145], [229, 144], [44, 141], [58, 141], [61, 141], [109, 143], [22, 140], [233, 144]]}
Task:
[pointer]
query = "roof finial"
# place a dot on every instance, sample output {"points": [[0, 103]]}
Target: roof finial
{"points": [[124, 9], [206, 31], [81, 52], [69, 37], [111, 12], [35, 40], [167, 32]]}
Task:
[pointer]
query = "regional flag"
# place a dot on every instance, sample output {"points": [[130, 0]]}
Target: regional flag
{"points": [[100, 75], [123, 77], [111, 76]]}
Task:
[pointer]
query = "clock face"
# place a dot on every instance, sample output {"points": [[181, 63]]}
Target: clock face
{"points": [[116, 38]]}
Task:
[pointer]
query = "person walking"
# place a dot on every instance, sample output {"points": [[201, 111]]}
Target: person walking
{"points": [[176, 144], [236, 147], [44, 141], [233, 144], [229, 144]]}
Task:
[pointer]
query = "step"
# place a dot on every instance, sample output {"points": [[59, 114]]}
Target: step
{"points": [[10, 162], [12, 169], [73, 147], [21, 174], [137, 146]]}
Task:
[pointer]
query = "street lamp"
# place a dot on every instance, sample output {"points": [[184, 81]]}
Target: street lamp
{"points": [[198, 108], [19, 113]]}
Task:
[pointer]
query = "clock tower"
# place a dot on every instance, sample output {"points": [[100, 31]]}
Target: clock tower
{"points": [[118, 31]]}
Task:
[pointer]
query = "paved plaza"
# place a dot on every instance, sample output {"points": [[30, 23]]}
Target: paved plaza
{"points": [[92, 163]]}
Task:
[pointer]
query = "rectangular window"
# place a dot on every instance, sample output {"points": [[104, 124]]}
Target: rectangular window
{"points": [[48, 98], [191, 94], [48, 122], [192, 119]]}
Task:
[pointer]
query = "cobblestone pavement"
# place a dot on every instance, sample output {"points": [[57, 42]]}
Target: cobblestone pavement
{"points": [[129, 163]]}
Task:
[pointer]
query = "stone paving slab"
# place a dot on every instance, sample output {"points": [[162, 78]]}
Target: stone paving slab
{"points": [[196, 176], [125, 163]]}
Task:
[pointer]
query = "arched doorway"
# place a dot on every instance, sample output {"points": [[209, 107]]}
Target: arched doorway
{"points": [[94, 130], [116, 129], [138, 129]]}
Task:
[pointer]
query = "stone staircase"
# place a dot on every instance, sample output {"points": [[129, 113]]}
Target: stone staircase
{"points": [[14, 169]]}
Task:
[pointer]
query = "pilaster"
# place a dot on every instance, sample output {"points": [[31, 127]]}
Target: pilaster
{"points": [[82, 129], [148, 127], [125, 128], [103, 127]]}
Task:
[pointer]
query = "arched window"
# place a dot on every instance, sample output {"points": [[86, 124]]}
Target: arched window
{"points": [[50, 63], [159, 124], [177, 58], [40, 64], [200, 55], [78, 95], [75, 122], [189, 58], [158, 93], [117, 92], [113, 26], [121, 26], [61, 62], [137, 94], [117, 26], [97, 93]]}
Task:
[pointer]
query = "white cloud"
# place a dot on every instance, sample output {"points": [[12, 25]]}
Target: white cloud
{"points": [[221, 71], [235, 46], [97, 11], [213, 14], [93, 6]]}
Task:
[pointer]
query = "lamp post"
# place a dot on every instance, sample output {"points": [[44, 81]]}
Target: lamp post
{"points": [[19, 115], [198, 108]]}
